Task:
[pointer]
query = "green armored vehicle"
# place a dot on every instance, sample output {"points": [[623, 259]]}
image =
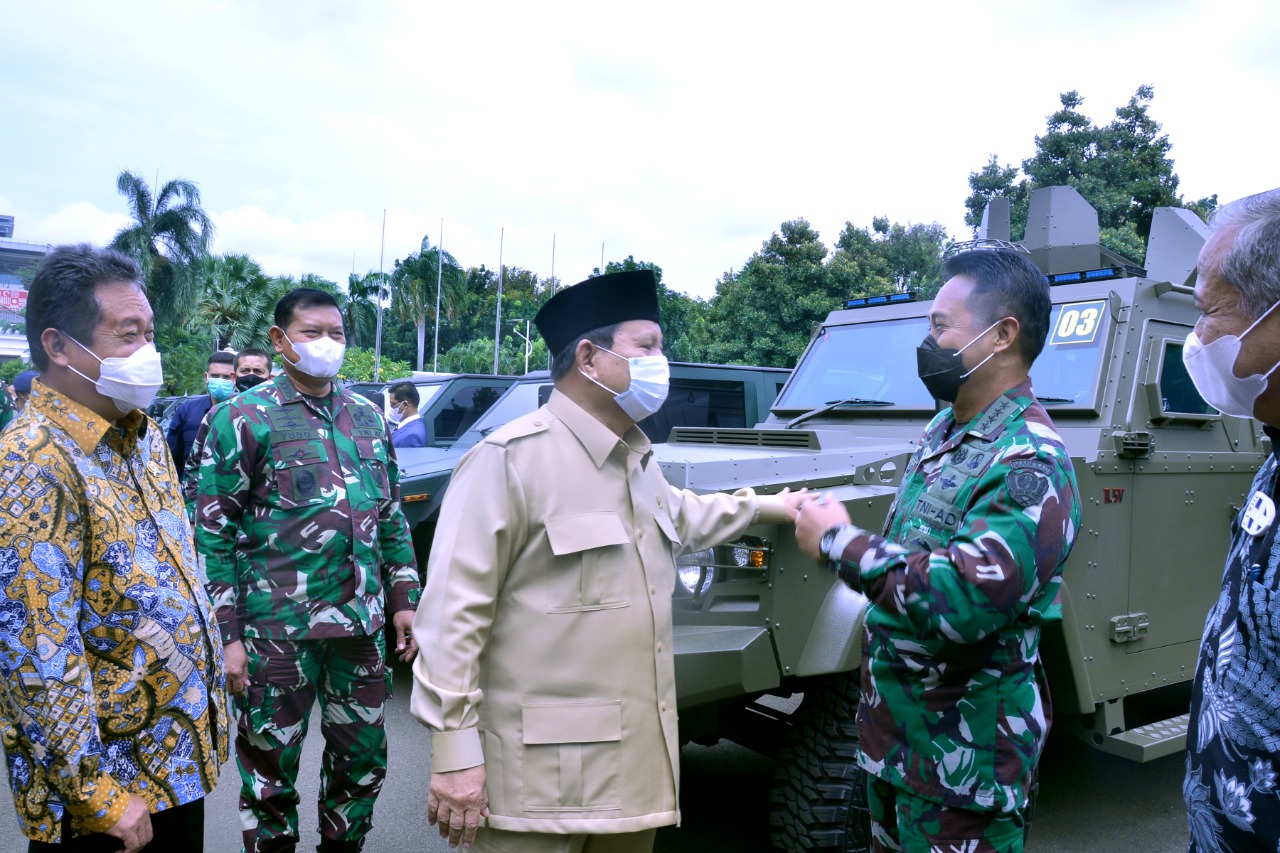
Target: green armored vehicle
{"points": [[768, 642]]}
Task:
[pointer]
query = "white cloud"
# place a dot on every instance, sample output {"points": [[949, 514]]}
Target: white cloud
{"points": [[681, 133]]}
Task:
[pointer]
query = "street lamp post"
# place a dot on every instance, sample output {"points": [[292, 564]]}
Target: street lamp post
{"points": [[528, 344]]}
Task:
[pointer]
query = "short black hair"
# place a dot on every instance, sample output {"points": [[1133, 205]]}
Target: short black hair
{"points": [[251, 351], [302, 297], [62, 294], [563, 362], [221, 357], [1006, 284], [402, 391]]}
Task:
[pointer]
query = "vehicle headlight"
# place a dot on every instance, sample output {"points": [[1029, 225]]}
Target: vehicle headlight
{"points": [[696, 571]]}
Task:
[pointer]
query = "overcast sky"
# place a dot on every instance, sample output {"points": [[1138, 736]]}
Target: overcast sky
{"points": [[680, 133]]}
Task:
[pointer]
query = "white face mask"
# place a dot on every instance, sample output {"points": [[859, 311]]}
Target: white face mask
{"points": [[393, 415], [650, 381], [1212, 370], [131, 382], [321, 358]]}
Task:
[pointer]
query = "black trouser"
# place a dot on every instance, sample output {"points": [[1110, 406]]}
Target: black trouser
{"points": [[180, 828]]}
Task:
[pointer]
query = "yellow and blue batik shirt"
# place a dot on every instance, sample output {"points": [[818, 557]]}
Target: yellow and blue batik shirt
{"points": [[111, 674]]}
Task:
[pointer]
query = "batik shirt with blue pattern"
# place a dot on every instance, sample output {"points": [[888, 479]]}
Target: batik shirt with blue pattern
{"points": [[111, 674]]}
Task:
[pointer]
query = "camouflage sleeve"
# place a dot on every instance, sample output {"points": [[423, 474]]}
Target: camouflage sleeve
{"points": [[6, 409], [222, 497], [191, 475], [1003, 561], [399, 567]]}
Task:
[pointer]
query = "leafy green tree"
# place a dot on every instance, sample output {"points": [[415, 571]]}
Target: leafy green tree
{"points": [[413, 295], [473, 356], [361, 314], [357, 366], [1122, 168], [11, 367], [233, 301], [169, 233], [184, 358], [764, 314]]}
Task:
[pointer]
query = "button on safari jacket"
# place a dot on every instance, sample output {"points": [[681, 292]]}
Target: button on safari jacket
{"points": [[545, 624]]}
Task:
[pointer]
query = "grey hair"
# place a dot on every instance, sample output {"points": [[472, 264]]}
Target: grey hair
{"points": [[1252, 262], [564, 360]]}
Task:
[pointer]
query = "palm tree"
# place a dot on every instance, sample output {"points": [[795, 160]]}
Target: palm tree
{"points": [[233, 301], [414, 287], [361, 310], [168, 235]]}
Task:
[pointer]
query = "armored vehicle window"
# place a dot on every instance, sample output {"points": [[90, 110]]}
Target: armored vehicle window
{"points": [[521, 399], [425, 393], [1178, 395], [1066, 373], [707, 403], [865, 361], [466, 406]]}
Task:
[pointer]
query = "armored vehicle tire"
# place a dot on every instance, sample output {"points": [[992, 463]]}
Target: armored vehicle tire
{"points": [[819, 796]]}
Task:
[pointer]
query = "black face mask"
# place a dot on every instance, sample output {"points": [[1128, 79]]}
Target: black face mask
{"points": [[942, 370], [249, 380]]}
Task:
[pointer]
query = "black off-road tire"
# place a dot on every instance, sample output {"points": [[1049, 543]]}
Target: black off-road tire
{"points": [[819, 796]]}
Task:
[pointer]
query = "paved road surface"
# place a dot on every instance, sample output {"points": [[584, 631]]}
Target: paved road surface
{"points": [[1089, 803]]}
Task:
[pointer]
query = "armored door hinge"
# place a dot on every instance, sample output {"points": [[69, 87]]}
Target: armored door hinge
{"points": [[1133, 445], [1129, 627]]}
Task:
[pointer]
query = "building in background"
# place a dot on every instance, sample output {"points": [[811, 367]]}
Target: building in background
{"points": [[18, 261]]}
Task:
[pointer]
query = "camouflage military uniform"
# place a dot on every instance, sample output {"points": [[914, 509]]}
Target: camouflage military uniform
{"points": [[954, 705], [298, 518], [6, 408]]}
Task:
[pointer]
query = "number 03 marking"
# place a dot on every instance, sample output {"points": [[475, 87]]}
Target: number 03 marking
{"points": [[1077, 324]]}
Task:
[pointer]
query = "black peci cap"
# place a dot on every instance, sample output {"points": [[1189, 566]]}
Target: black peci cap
{"points": [[600, 301]]}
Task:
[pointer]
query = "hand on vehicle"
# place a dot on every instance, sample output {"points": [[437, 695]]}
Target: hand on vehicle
{"points": [[815, 518], [456, 802]]}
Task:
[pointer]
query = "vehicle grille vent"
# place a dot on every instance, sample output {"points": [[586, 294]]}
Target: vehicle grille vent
{"points": [[789, 439]]}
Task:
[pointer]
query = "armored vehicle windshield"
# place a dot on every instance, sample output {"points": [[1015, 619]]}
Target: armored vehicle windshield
{"points": [[872, 364]]}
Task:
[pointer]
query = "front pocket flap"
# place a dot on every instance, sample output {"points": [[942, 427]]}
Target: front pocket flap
{"points": [[295, 454], [577, 722], [668, 527], [570, 534]]}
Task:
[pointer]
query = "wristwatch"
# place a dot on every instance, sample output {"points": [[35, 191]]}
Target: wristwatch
{"points": [[828, 539]]}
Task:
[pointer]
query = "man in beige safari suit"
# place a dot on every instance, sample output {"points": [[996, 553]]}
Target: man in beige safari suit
{"points": [[545, 668]]}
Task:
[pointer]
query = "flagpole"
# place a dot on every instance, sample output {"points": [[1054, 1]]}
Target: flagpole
{"points": [[435, 358], [382, 281], [497, 320]]}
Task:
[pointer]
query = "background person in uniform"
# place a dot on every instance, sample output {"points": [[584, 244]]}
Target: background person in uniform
{"points": [[7, 406], [954, 710], [219, 379], [251, 368], [1233, 739], [411, 429], [22, 389], [546, 667], [307, 553], [112, 704]]}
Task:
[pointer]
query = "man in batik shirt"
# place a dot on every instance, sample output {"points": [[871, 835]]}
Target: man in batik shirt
{"points": [[955, 708], [1233, 740], [307, 555], [112, 703]]}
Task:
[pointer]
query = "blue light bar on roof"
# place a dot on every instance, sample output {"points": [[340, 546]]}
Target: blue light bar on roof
{"points": [[889, 299], [1085, 275]]}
